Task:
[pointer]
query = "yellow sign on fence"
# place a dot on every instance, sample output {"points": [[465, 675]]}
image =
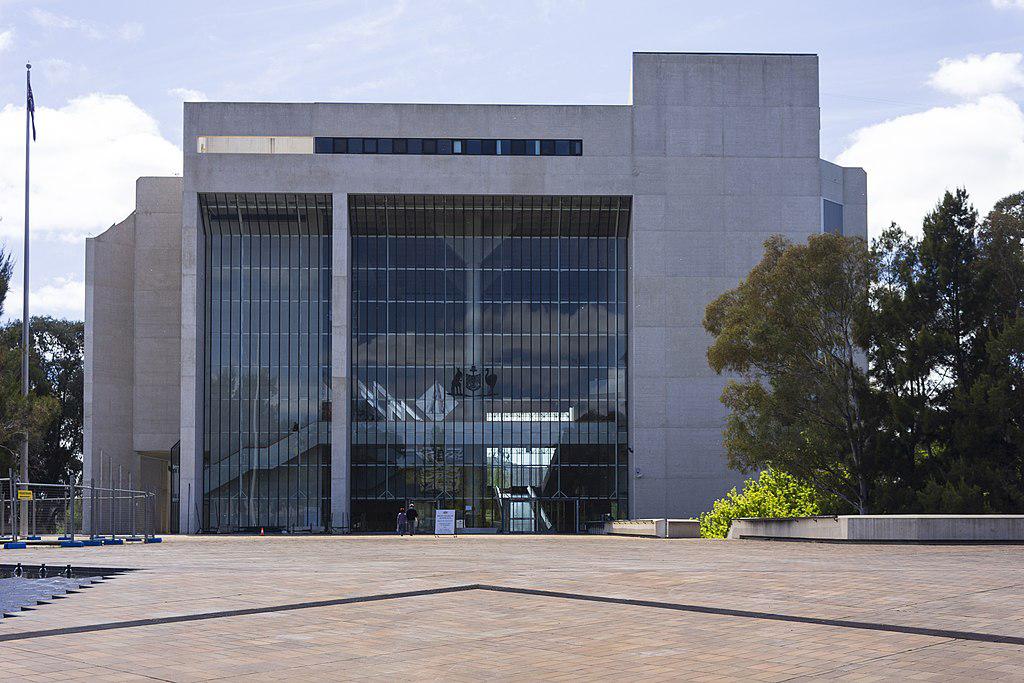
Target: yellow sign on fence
{"points": [[24, 494]]}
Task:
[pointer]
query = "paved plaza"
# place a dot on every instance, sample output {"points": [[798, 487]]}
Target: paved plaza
{"points": [[526, 608]]}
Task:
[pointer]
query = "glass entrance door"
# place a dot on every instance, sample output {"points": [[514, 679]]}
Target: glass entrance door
{"points": [[541, 515]]}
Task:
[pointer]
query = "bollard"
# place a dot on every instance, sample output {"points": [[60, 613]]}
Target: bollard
{"points": [[71, 507], [92, 507], [131, 504]]}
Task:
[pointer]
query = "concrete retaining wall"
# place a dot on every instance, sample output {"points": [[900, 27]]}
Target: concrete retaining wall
{"points": [[655, 528], [886, 528]]}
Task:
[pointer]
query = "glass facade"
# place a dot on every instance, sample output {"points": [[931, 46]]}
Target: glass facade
{"points": [[266, 452], [489, 359]]}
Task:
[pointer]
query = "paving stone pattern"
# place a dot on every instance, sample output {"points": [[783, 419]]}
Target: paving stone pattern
{"points": [[476, 634]]}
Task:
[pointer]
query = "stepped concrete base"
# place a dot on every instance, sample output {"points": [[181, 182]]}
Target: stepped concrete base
{"points": [[885, 528], [654, 528]]}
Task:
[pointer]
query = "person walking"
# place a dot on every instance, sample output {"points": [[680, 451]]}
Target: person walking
{"points": [[411, 517], [402, 522]]}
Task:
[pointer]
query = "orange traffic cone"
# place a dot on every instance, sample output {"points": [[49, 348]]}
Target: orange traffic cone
{"points": [[261, 531]]}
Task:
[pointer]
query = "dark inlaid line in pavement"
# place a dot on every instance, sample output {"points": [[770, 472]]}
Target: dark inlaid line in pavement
{"points": [[202, 616], [770, 616], [679, 607]]}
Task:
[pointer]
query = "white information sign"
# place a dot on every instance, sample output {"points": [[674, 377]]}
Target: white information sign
{"points": [[444, 522]]}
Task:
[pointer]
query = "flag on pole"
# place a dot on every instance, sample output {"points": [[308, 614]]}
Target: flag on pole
{"points": [[32, 108]]}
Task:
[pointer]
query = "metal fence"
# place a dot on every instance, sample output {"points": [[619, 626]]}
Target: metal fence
{"points": [[34, 509]]}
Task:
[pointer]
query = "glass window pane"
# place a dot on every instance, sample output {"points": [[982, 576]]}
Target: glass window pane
{"points": [[477, 352]]}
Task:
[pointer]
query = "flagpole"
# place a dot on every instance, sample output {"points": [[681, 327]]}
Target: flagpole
{"points": [[24, 314]]}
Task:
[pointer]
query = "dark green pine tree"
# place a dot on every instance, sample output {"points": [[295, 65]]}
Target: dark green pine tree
{"points": [[944, 342]]}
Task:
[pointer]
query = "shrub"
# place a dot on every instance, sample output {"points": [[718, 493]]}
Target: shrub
{"points": [[772, 494]]}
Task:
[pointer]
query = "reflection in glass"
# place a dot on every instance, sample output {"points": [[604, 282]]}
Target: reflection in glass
{"points": [[489, 359], [267, 361]]}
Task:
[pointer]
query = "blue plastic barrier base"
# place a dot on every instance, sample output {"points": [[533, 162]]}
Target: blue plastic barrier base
{"points": [[33, 538], [72, 544], [64, 538], [14, 545], [92, 541], [155, 539], [113, 541]]}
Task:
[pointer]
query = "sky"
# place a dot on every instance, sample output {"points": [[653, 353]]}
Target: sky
{"points": [[927, 96]]}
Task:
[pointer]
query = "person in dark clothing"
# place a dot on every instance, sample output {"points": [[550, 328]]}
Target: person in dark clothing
{"points": [[411, 517], [403, 522]]}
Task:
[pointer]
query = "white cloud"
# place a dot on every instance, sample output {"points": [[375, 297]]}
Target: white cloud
{"points": [[53, 20], [977, 75], [84, 164], [58, 70], [369, 26], [911, 160], [187, 94], [129, 31], [1006, 4], [6, 39], [61, 297]]}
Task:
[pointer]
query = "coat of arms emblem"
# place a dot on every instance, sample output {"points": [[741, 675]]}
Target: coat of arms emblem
{"points": [[472, 379], [470, 382]]}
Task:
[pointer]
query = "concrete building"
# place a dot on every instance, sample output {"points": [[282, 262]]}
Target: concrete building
{"points": [[343, 308]]}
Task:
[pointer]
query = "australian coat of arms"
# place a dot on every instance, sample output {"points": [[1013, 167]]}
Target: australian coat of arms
{"points": [[470, 383]]}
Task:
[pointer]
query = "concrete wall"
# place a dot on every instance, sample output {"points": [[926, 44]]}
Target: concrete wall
{"points": [[719, 152], [831, 528], [725, 155], [132, 338], [109, 367], [849, 187], [157, 314], [886, 528]]}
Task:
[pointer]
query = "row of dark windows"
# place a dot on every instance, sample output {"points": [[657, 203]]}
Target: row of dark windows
{"points": [[479, 216], [447, 146]]}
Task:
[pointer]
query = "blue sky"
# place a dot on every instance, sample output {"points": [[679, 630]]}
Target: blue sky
{"points": [[925, 95]]}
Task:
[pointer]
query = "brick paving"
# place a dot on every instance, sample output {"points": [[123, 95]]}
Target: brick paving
{"points": [[476, 634]]}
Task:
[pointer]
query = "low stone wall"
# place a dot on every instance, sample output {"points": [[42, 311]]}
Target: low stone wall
{"points": [[814, 528], [655, 528], [886, 528]]}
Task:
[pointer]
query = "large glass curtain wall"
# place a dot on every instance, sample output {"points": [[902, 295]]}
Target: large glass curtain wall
{"points": [[489, 359], [266, 460]]}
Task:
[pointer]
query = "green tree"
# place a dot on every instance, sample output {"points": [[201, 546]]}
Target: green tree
{"points": [[772, 494], [946, 353], [56, 370], [20, 417], [801, 402]]}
